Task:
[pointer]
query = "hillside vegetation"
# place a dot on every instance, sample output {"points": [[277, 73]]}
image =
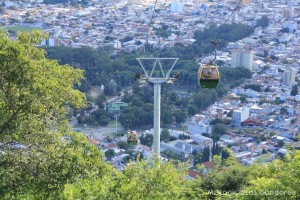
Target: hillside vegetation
{"points": [[41, 158]]}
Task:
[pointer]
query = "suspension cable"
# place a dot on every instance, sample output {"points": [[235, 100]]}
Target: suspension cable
{"points": [[216, 34], [151, 19], [149, 26]]}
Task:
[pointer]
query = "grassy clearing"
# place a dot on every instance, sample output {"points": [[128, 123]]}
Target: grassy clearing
{"points": [[112, 124], [19, 28]]}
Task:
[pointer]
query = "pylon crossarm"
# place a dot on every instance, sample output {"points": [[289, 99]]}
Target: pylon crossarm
{"points": [[157, 61], [168, 74], [162, 71], [153, 68], [141, 64]]}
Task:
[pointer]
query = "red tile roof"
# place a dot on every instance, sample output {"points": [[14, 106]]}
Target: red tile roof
{"points": [[94, 141], [209, 164], [194, 173]]}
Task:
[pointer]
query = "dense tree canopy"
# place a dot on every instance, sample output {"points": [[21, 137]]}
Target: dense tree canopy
{"points": [[39, 153], [174, 107], [165, 135], [35, 92], [263, 21]]}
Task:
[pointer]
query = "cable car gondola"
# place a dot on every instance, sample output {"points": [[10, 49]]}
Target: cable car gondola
{"points": [[208, 76], [132, 138]]}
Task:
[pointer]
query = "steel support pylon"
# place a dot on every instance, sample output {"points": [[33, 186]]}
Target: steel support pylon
{"points": [[157, 79]]}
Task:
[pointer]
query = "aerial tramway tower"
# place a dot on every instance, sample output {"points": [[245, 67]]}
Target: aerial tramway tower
{"points": [[157, 75]]}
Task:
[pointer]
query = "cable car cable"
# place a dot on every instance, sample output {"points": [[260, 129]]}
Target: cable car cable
{"points": [[151, 19], [137, 77], [214, 42], [217, 33]]}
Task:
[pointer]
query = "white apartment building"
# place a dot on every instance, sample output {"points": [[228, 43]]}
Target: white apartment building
{"points": [[199, 125], [199, 128], [289, 76], [177, 7], [242, 58], [239, 116]]}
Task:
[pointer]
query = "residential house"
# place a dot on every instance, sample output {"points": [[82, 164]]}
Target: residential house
{"points": [[243, 155], [180, 148], [202, 140], [199, 125], [248, 147]]}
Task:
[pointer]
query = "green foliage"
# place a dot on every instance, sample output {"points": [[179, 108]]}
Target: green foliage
{"points": [[230, 32], [48, 163], [294, 91], [206, 154], [254, 87], [142, 180], [233, 182], [235, 178], [165, 135], [180, 116], [192, 110], [264, 151], [263, 22], [36, 94], [201, 157], [278, 101], [57, 163], [167, 115], [101, 67], [279, 179], [283, 111], [272, 133], [110, 153], [97, 117], [267, 89], [171, 155], [216, 149], [280, 143], [226, 153], [219, 129], [161, 32], [146, 139], [126, 39], [123, 145], [216, 121]]}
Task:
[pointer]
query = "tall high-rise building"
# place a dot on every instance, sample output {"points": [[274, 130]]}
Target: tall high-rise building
{"points": [[289, 76], [242, 58], [288, 13], [240, 115]]}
